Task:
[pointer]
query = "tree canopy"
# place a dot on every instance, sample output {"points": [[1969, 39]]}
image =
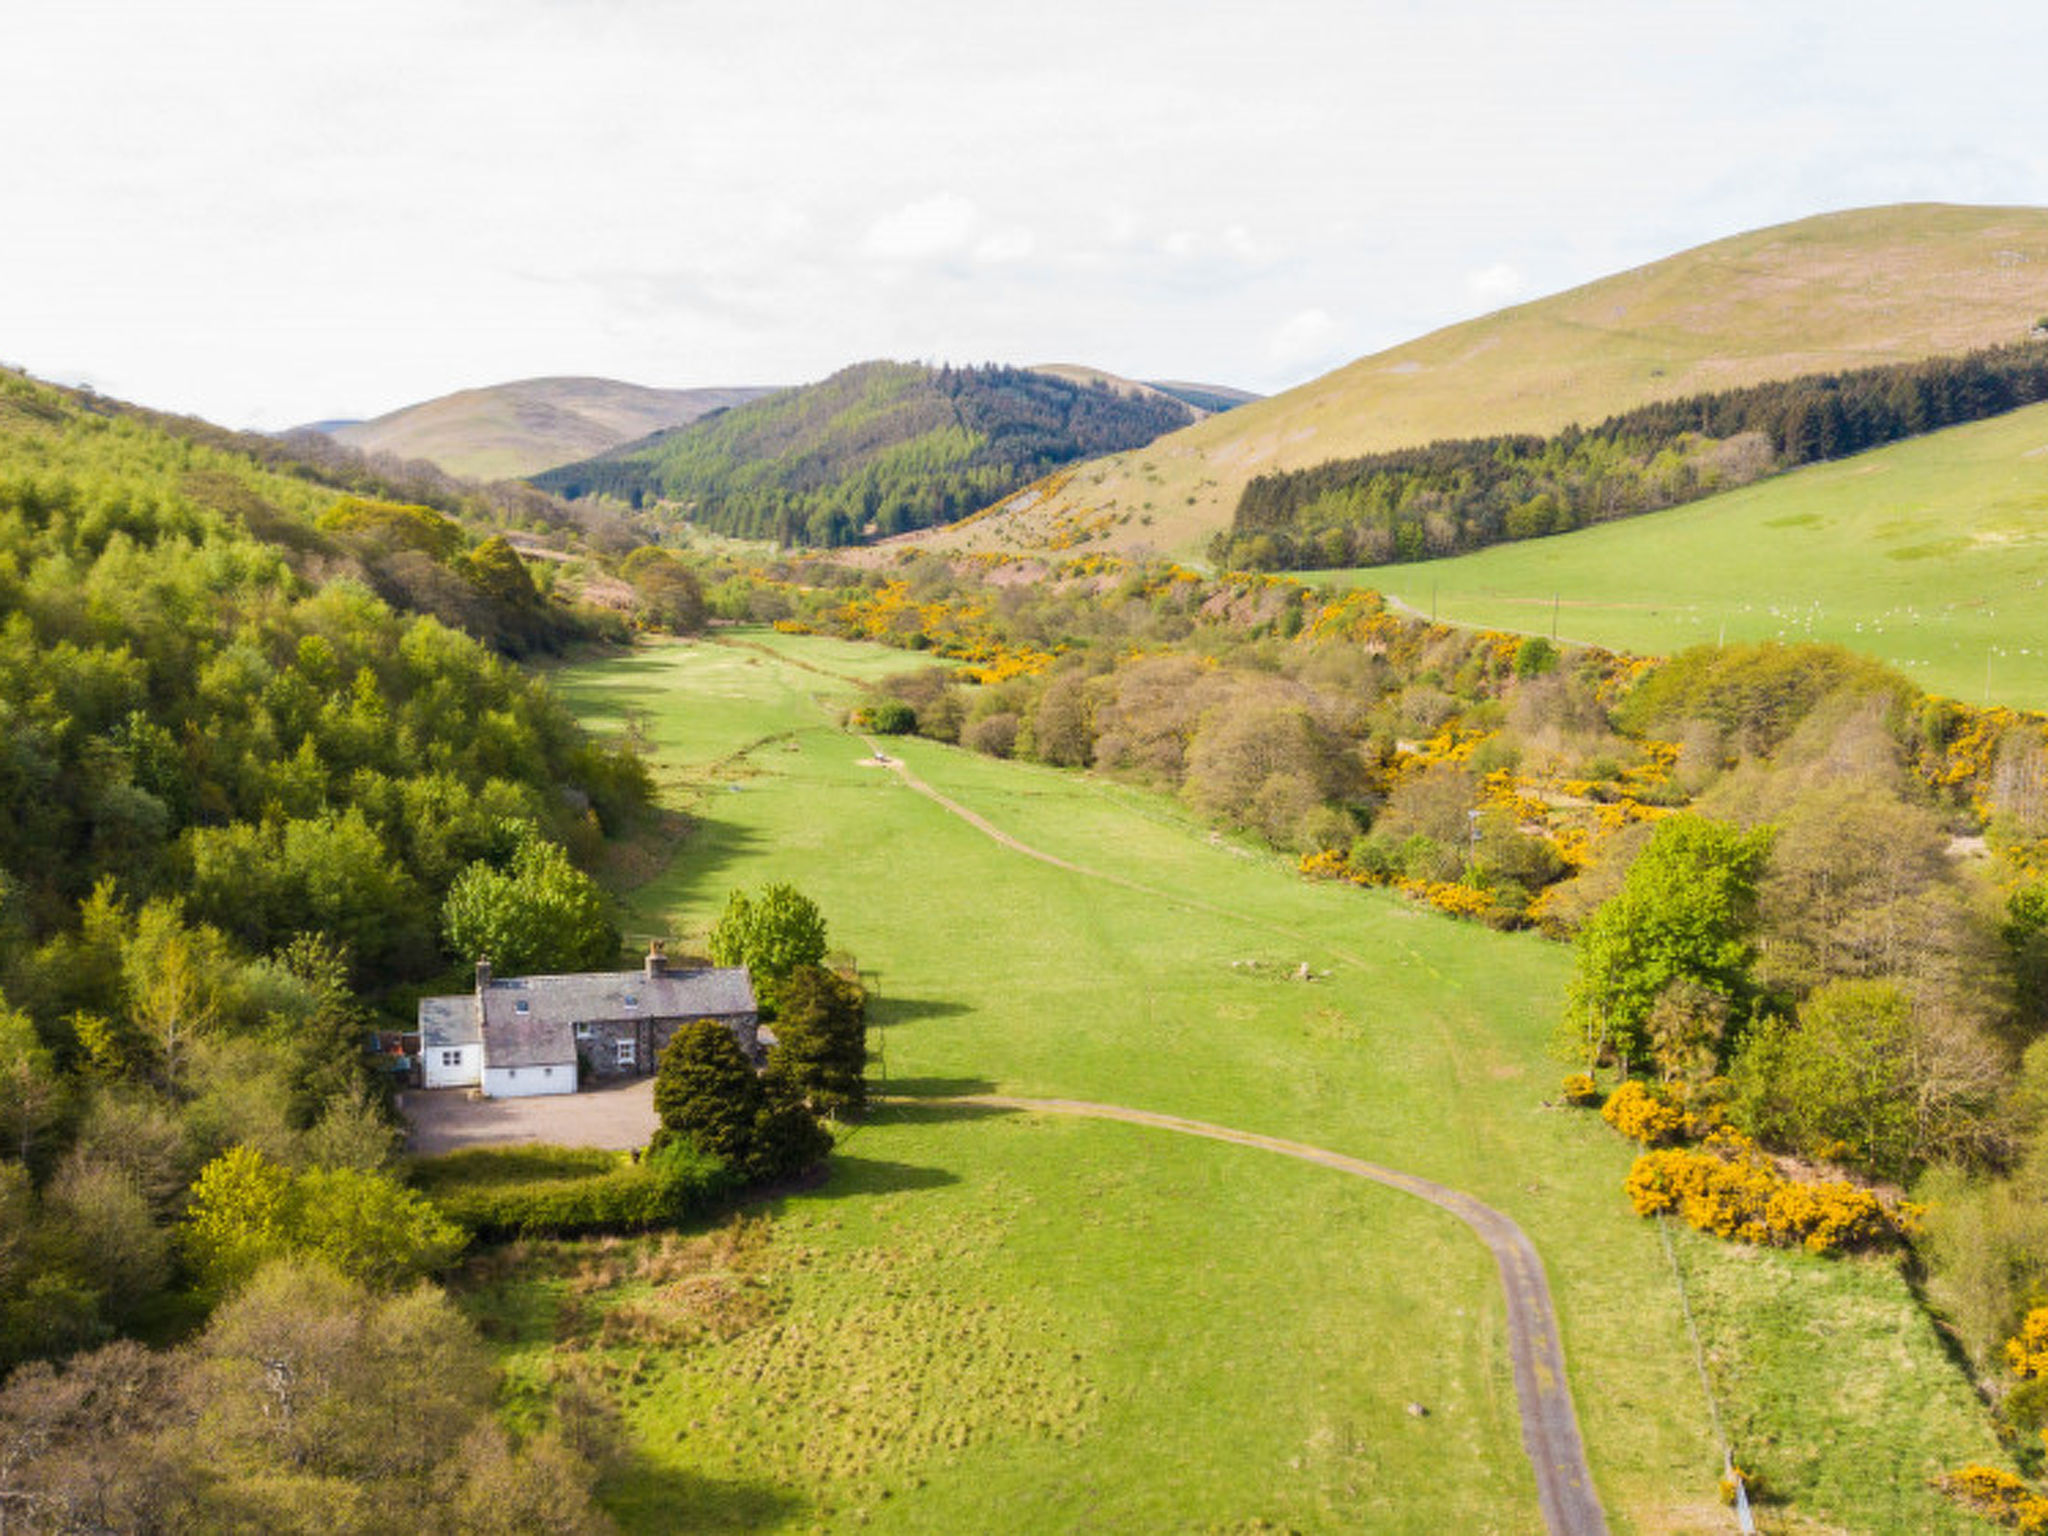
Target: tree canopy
{"points": [[1685, 913]]}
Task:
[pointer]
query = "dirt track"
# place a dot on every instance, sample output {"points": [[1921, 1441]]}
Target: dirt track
{"points": [[1550, 1427]]}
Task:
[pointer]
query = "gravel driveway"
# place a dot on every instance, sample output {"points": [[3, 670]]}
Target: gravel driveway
{"points": [[617, 1115]]}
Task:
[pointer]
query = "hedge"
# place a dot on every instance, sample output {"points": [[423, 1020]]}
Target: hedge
{"points": [[498, 1193]]}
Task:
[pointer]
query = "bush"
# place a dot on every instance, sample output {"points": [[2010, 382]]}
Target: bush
{"points": [[1998, 1496], [888, 718], [551, 1191], [1731, 1190], [1644, 1116], [1580, 1091]]}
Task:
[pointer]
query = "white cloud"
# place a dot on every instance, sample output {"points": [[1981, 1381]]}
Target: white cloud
{"points": [[920, 231], [1305, 337], [1003, 246], [1496, 285], [404, 196]]}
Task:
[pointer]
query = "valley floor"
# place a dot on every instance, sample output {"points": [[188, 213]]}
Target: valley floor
{"points": [[1088, 1324]]}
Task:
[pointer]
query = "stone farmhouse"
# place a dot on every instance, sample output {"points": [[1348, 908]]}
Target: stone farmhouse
{"points": [[517, 1036]]}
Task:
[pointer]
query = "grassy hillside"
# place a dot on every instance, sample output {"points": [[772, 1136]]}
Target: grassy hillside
{"points": [[887, 447], [1931, 555], [1839, 291], [509, 430], [1090, 1326]]}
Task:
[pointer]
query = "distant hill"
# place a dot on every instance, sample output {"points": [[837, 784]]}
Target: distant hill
{"points": [[507, 431], [1840, 291], [877, 449], [1212, 398], [1207, 399]]}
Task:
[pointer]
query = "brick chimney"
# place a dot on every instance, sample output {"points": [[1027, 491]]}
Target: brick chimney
{"points": [[483, 974], [657, 959]]}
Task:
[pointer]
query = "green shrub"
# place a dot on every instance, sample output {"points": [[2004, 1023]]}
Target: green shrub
{"points": [[892, 717], [555, 1191]]}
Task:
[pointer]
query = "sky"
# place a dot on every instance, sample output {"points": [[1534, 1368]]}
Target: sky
{"points": [[271, 213]]}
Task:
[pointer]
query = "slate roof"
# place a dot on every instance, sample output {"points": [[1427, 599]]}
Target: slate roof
{"points": [[542, 1033], [449, 1021]]}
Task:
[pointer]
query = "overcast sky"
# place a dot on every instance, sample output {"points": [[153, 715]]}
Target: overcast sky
{"points": [[271, 212]]}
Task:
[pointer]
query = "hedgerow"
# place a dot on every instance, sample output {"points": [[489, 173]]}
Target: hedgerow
{"points": [[503, 1193]]}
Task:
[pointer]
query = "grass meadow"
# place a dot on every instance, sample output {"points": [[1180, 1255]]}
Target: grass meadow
{"points": [[1011, 1320], [1930, 555]]}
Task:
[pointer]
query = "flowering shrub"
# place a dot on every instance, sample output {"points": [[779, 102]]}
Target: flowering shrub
{"points": [[2027, 1353], [1645, 1116], [1449, 896], [1730, 1189], [1998, 1496], [1581, 1091]]}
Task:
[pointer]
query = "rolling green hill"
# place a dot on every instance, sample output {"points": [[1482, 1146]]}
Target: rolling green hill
{"points": [[1840, 291], [1931, 555], [879, 447], [509, 430]]}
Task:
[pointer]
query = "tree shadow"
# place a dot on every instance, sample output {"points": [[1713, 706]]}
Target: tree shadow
{"points": [[933, 1101], [885, 1010], [649, 1497], [698, 857], [854, 1177]]}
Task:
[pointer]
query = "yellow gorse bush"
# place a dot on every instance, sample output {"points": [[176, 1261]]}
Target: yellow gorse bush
{"points": [[1731, 1190]]}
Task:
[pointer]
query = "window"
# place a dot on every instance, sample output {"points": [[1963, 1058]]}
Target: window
{"points": [[628, 1052], [522, 1006], [583, 1030], [632, 1001], [451, 1058]]}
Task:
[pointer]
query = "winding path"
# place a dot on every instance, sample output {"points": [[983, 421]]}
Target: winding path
{"points": [[1550, 1427]]}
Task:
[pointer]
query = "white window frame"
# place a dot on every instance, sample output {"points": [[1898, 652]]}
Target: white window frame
{"points": [[583, 1029], [451, 1058], [626, 1051]]}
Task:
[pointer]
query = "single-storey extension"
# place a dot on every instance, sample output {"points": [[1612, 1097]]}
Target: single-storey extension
{"points": [[521, 1035]]}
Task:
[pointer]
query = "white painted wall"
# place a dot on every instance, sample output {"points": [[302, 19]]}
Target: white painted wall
{"points": [[528, 1082], [461, 1073]]}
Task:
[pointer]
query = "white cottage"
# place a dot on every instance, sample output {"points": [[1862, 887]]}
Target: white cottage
{"points": [[524, 1035]]}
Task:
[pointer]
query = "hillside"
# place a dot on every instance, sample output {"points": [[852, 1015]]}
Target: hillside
{"points": [[1929, 555], [509, 430], [1839, 291], [1207, 399], [879, 448]]}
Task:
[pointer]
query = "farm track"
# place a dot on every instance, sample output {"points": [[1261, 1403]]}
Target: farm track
{"points": [[1550, 1426]]}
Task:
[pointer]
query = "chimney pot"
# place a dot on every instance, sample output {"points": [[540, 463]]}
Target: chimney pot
{"points": [[483, 974], [657, 959]]}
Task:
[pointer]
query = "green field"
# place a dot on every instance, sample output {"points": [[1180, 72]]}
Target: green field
{"points": [[1013, 1320], [1930, 555]]}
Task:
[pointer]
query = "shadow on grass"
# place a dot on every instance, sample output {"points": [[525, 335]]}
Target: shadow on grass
{"points": [[647, 1497], [696, 861], [885, 1010], [927, 1101], [860, 1176]]}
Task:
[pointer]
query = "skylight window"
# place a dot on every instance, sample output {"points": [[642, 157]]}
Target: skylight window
{"points": [[522, 1006]]}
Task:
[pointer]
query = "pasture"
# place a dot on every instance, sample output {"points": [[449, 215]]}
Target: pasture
{"points": [[1930, 555], [1057, 1324]]}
